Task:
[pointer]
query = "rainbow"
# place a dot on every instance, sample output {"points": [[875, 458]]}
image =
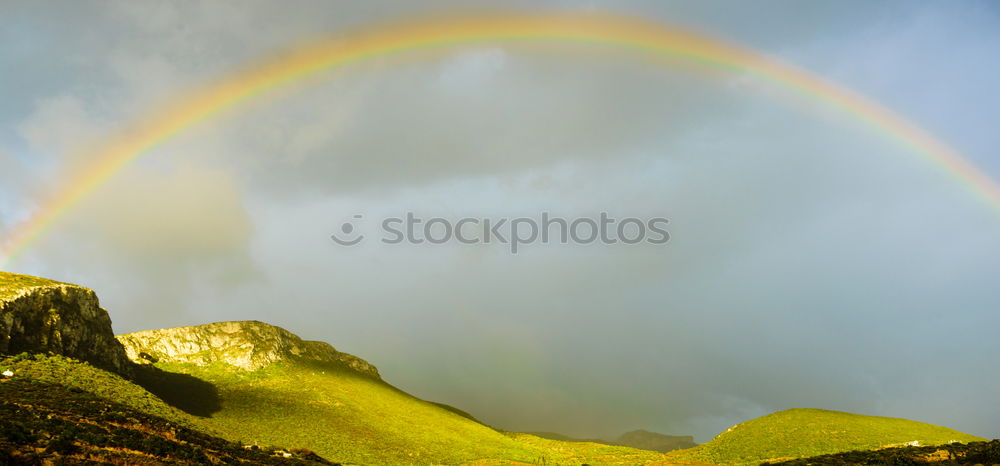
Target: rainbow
{"points": [[617, 32]]}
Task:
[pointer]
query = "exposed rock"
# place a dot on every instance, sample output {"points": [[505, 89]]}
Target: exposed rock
{"points": [[39, 315], [249, 345]]}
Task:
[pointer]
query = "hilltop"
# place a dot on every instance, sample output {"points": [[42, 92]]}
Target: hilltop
{"points": [[38, 315], [654, 441], [274, 388], [227, 392], [222, 392], [801, 433], [641, 439], [248, 345]]}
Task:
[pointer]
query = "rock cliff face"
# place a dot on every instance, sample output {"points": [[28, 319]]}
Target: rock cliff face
{"points": [[249, 345], [39, 315]]}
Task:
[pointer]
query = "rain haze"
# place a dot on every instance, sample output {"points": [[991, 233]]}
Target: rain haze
{"points": [[814, 260]]}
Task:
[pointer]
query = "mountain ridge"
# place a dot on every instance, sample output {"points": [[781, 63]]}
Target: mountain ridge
{"points": [[253, 384], [641, 439], [248, 345]]}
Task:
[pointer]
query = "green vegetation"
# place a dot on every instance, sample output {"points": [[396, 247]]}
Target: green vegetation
{"points": [[11, 283], [56, 409], [641, 439], [566, 438], [944, 455], [81, 376], [45, 423], [56, 405], [801, 433], [577, 453], [646, 440], [349, 417]]}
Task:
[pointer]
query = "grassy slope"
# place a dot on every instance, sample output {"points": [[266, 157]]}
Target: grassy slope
{"points": [[799, 433], [77, 375], [577, 453], [955, 453], [350, 418], [340, 414], [356, 419], [566, 438], [640, 439], [11, 283], [58, 411], [329, 409]]}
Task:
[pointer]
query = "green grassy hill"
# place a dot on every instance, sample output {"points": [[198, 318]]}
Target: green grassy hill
{"points": [[566, 438], [80, 376], [246, 382], [12, 284], [654, 441], [55, 410], [59, 409], [351, 418], [800, 433], [226, 392], [641, 439], [944, 455]]}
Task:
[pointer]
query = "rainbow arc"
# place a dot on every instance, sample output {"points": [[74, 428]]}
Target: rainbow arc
{"points": [[614, 31]]}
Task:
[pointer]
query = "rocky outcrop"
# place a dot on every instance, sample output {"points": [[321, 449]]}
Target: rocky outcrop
{"points": [[249, 345], [39, 315]]}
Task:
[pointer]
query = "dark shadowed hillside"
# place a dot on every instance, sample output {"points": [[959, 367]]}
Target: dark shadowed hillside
{"points": [[981, 453], [46, 423]]}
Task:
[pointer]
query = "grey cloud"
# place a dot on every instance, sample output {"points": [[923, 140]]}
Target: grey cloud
{"points": [[813, 263]]}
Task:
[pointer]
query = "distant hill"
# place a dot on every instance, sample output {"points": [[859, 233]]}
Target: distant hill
{"points": [[640, 439], [646, 440], [955, 453], [567, 438], [800, 433]]}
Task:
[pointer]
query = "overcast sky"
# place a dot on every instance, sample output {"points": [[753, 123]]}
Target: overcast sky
{"points": [[813, 261]]}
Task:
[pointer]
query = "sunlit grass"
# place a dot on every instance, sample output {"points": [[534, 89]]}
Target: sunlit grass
{"points": [[11, 283], [54, 410], [348, 417], [798, 433], [81, 376]]}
